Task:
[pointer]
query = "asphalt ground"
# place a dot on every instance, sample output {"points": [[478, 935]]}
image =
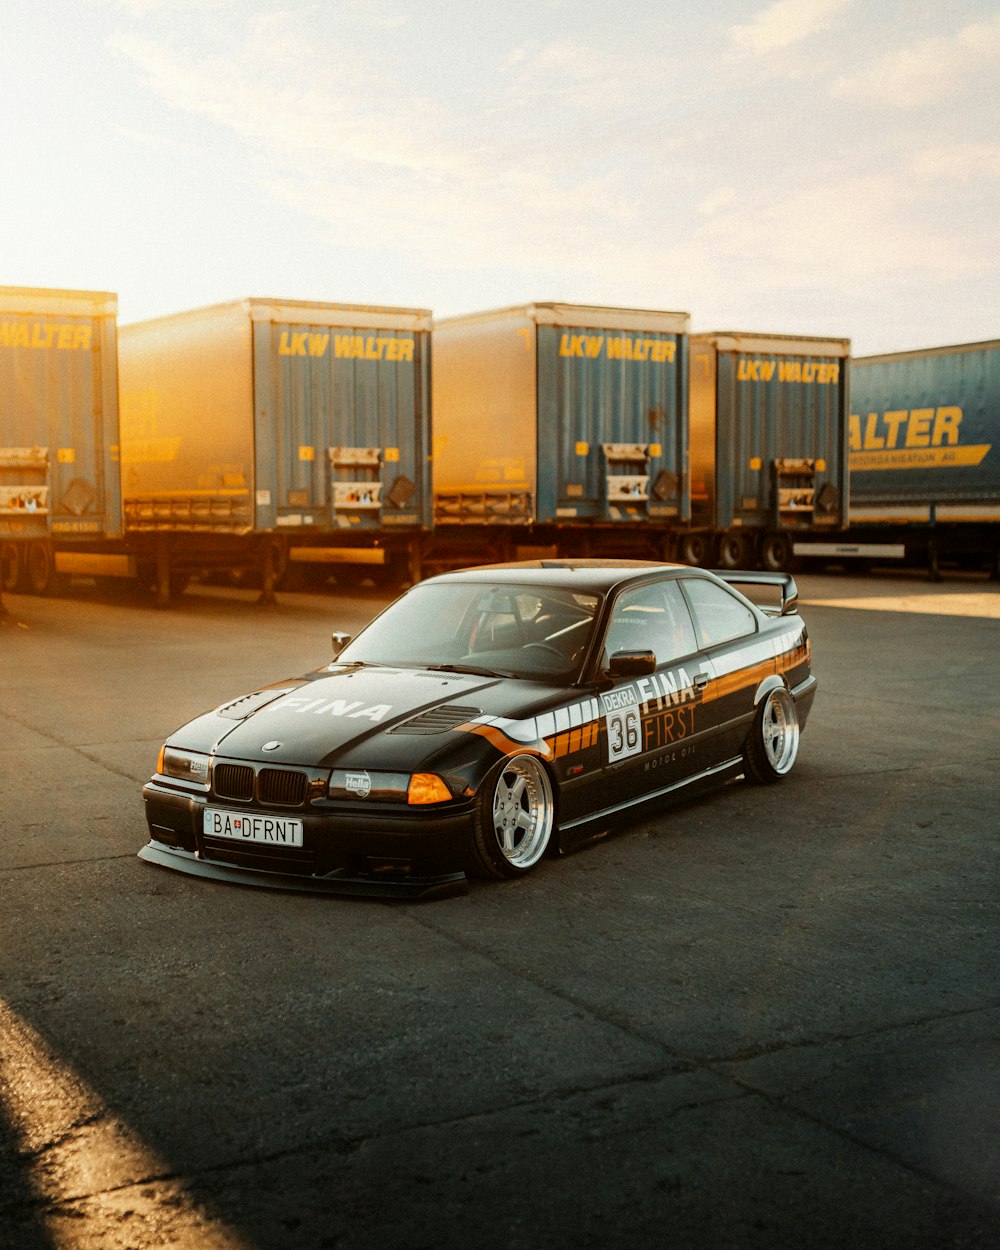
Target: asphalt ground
{"points": [[769, 1018]]}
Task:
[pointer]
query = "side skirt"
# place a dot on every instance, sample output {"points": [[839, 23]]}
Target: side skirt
{"points": [[575, 834]]}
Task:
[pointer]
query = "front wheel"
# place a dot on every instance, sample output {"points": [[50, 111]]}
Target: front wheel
{"points": [[773, 744], [514, 819]]}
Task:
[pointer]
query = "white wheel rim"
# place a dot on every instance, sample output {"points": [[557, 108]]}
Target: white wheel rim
{"points": [[780, 731], [522, 811]]}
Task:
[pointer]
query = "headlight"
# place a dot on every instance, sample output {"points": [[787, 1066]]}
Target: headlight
{"points": [[184, 765], [383, 787]]}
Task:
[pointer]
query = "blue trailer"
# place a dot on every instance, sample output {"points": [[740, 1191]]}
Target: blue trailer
{"points": [[277, 437], [559, 428], [924, 459], [60, 488], [768, 446]]}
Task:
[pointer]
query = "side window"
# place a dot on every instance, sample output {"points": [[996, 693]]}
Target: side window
{"points": [[653, 618], [718, 615]]}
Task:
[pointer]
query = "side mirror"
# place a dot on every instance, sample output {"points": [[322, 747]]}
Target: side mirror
{"points": [[632, 664], [339, 642]]}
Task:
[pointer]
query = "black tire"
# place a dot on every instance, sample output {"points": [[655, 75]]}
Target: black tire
{"points": [[773, 744], [11, 566], [776, 553], [694, 549], [40, 568], [514, 819], [733, 550]]}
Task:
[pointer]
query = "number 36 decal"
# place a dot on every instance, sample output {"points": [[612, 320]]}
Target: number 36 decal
{"points": [[624, 733]]}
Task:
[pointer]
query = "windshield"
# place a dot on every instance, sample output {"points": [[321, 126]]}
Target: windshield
{"points": [[510, 631]]}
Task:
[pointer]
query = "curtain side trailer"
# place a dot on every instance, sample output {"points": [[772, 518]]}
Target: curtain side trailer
{"points": [[60, 487], [768, 446], [559, 428], [924, 458], [276, 437]]}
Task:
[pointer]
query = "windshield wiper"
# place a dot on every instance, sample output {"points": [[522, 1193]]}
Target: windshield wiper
{"points": [[468, 668]]}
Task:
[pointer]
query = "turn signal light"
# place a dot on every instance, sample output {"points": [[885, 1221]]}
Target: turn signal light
{"points": [[427, 788]]}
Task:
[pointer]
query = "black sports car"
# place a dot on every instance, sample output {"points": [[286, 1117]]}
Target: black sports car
{"points": [[484, 718]]}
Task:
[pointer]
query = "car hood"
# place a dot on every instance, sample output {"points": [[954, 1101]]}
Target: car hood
{"points": [[311, 721]]}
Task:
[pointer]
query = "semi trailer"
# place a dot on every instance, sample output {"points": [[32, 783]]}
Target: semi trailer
{"points": [[925, 466], [60, 488], [559, 427], [277, 437]]}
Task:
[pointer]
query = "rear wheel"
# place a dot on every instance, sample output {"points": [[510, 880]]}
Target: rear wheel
{"points": [[41, 568], [694, 549], [773, 744], [776, 553], [11, 566], [733, 550], [514, 819]]}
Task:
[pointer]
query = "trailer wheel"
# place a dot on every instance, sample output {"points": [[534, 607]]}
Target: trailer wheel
{"points": [[694, 549], [776, 553], [733, 550], [41, 568], [11, 566]]}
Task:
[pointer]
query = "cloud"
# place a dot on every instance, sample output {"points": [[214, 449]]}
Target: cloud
{"points": [[785, 23], [144, 8], [342, 141], [547, 161], [957, 162], [568, 72], [864, 229], [246, 92], [928, 71]]}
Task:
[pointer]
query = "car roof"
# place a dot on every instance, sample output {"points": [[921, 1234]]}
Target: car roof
{"points": [[594, 575]]}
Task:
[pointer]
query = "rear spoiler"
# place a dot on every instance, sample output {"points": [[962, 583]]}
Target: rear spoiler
{"points": [[785, 582]]}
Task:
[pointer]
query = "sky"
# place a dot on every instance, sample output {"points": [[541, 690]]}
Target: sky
{"points": [[818, 167]]}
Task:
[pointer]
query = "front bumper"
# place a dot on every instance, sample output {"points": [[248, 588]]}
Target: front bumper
{"points": [[371, 852], [441, 886]]}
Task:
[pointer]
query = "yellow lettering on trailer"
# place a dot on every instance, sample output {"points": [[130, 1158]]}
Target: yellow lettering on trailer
{"points": [[911, 438], [583, 345], [45, 336], [946, 423], [372, 347], [618, 347], [807, 371], [918, 430]]}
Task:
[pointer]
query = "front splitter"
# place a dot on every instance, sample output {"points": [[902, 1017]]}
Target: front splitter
{"points": [[443, 886]]}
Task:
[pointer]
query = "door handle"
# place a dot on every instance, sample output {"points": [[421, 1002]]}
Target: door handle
{"points": [[701, 680]]}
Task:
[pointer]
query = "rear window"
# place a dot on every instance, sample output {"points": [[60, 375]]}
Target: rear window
{"points": [[718, 615]]}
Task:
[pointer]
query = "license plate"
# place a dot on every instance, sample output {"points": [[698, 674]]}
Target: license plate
{"points": [[252, 827]]}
